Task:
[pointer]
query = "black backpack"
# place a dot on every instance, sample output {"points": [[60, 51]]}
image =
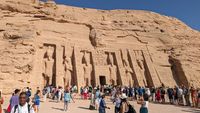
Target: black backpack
{"points": [[131, 109], [29, 106]]}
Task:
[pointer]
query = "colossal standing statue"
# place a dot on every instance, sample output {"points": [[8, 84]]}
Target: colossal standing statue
{"points": [[128, 72], [68, 71], [87, 69], [49, 65], [112, 69]]}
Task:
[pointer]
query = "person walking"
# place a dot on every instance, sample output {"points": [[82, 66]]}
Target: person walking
{"points": [[37, 101], [1, 101], [97, 98], [102, 105], [67, 99], [23, 106]]}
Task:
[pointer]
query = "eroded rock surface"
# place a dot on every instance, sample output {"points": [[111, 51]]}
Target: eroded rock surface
{"points": [[43, 43]]}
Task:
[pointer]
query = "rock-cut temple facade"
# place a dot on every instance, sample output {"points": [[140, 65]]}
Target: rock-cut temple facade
{"points": [[43, 43]]}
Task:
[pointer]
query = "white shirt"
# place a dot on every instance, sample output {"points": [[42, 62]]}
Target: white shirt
{"points": [[145, 104], [22, 109]]}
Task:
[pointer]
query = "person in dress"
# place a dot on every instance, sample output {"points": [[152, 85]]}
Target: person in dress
{"points": [[67, 99], [23, 106], [1, 101], [158, 95]]}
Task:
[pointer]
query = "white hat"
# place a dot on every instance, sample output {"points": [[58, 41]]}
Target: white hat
{"points": [[123, 96]]}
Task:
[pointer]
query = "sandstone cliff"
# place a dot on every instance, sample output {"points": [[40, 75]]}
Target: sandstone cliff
{"points": [[173, 46]]}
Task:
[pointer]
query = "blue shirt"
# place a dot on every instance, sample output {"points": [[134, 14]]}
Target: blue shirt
{"points": [[37, 100], [67, 97], [97, 95], [102, 104]]}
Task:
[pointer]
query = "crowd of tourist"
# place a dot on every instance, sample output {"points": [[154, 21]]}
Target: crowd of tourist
{"points": [[22, 101], [142, 95]]}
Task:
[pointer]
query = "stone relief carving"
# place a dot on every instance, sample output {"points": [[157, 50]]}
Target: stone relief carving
{"points": [[112, 69], [87, 67], [128, 71], [140, 62], [100, 57], [49, 62], [68, 71], [96, 38]]}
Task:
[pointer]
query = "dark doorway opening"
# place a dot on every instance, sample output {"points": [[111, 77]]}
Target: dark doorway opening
{"points": [[102, 80]]}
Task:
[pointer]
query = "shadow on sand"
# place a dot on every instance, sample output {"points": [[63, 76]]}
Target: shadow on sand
{"points": [[192, 111], [60, 109], [86, 108]]}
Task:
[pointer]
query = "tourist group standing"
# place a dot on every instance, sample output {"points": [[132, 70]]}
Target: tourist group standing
{"points": [[22, 101]]}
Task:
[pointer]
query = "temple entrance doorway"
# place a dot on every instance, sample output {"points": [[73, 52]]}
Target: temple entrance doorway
{"points": [[102, 80]]}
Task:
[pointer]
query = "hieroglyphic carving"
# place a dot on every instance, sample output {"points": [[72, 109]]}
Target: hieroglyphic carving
{"points": [[99, 56], [49, 62]]}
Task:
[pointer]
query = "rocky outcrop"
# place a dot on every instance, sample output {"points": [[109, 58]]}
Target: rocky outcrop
{"points": [[170, 49]]}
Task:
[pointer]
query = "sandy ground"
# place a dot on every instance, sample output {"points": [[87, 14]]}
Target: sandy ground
{"points": [[81, 106]]}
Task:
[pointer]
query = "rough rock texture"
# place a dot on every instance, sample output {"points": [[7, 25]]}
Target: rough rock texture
{"points": [[45, 43]]}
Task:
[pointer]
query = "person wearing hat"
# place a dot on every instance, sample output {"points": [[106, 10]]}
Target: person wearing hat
{"points": [[124, 104], [102, 105], [1, 101]]}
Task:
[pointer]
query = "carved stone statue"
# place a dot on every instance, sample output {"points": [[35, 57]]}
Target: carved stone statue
{"points": [[96, 38], [140, 62], [49, 65], [87, 69], [68, 71], [112, 69], [128, 72]]}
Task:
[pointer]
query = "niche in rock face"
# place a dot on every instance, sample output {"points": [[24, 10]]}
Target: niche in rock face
{"points": [[49, 72], [177, 72]]}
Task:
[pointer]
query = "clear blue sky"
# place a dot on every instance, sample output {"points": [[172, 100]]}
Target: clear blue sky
{"points": [[186, 10]]}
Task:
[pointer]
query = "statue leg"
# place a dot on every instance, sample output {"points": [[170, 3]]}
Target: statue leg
{"points": [[89, 81], [50, 80], [70, 79]]}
